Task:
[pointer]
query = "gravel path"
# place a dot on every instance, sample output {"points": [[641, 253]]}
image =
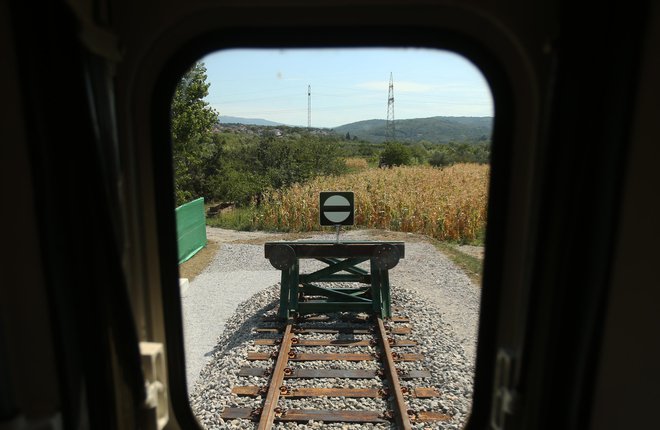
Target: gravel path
{"points": [[226, 300], [237, 272]]}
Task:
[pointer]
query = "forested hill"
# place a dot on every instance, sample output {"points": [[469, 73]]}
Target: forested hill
{"points": [[438, 129], [223, 119]]}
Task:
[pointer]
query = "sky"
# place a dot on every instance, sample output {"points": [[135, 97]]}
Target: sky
{"points": [[347, 85]]}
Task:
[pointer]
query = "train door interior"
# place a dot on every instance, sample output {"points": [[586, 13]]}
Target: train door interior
{"points": [[568, 322]]}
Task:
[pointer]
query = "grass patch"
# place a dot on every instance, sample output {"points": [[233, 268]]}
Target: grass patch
{"points": [[479, 240], [472, 266]]}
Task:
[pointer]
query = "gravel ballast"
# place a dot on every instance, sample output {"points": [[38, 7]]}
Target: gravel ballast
{"points": [[232, 295]]}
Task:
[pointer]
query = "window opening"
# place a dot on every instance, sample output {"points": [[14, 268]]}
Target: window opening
{"points": [[257, 136]]}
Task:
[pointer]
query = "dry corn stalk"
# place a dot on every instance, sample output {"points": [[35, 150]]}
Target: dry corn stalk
{"points": [[448, 204]]}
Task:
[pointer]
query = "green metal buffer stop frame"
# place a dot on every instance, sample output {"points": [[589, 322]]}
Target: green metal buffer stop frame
{"points": [[300, 294]]}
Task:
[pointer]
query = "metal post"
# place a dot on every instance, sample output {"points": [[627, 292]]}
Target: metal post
{"points": [[375, 289], [385, 294], [285, 292], [294, 282], [338, 227]]}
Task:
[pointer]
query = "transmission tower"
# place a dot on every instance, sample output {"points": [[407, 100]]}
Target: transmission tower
{"points": [[390, 111], [309, 106]]}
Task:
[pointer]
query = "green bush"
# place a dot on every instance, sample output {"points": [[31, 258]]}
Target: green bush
{"points": [[464, 152], [395, 154]]}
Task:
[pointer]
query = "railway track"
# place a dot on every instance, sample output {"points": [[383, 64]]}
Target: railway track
{"points": [[375, 339]]}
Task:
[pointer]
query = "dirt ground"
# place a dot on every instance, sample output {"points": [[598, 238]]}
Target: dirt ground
{"points": [[199, 261]]}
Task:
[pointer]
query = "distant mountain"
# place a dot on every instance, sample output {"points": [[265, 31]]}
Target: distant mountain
{"points": [[438, 129], [251, 121]]}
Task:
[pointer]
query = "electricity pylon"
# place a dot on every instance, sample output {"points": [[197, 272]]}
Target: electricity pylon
{"points": [[390, 111]]}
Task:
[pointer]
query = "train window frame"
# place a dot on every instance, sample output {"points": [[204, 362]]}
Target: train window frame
{"points": [[495, 298], [565, 225]]}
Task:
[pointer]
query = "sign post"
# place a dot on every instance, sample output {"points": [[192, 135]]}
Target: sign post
{"points": [[337, 208]]}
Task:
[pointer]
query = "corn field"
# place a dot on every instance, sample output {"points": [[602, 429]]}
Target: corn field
{"points": [[447, 204], [356, 164]]}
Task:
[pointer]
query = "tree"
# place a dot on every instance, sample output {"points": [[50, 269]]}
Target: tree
{"points": [[460, 152], [419, 153], [395, 154], [438, 159], [192, 121]]}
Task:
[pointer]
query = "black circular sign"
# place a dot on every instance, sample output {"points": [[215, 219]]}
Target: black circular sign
{"points": [[336, 208]]}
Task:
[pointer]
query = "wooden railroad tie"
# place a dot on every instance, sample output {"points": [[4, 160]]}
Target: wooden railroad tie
{"points": [[288, 342]]}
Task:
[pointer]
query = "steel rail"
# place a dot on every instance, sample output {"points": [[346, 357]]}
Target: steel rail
{"points": [[268, 411], [401, 409]]}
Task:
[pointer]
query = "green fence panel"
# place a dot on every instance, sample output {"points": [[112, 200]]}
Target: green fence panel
{"points": [[190, 228]]}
